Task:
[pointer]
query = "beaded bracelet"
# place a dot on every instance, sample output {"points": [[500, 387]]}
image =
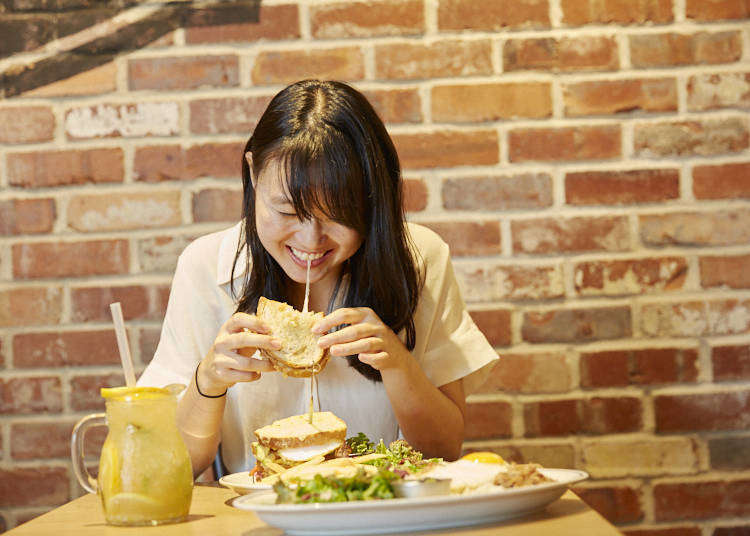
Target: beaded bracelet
{"points": [[199, 389]]}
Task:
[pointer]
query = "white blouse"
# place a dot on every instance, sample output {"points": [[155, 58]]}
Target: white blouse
{"points": [[449, 346]]}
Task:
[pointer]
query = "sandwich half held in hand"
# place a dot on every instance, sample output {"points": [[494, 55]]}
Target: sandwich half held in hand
{"points": [[299, 356], [294, 440]]}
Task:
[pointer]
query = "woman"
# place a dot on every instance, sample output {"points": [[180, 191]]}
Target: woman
{"points": [[322, 182]]}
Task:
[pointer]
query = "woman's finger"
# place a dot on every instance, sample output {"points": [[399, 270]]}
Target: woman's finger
{"points": [[366, 345], [242, 321], [244, 363], [245, 339], [345, 315], [347, 334]]}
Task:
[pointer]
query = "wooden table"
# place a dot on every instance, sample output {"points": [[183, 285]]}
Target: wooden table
{"points": [[211, 514]]}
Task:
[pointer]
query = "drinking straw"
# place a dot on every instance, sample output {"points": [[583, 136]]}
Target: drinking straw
{"points": [[122, 344]]}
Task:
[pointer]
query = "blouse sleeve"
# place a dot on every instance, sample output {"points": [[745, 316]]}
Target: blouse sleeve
{"points": [[454, 347], [187, 331]]}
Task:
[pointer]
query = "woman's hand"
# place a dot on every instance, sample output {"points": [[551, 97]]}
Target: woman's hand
{"points": [[365, 336], [224, 366]]}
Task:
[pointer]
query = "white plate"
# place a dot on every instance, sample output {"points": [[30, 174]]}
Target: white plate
{"points": [[242, 483], [404, 515]]}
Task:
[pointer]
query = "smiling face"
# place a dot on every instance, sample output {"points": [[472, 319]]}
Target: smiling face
{"points": [[291, 241]]}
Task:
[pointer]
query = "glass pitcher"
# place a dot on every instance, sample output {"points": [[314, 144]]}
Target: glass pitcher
{"points": [[145, 474]]}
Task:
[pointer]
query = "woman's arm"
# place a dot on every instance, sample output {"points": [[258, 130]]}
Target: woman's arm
{"points": [[201, 408], [431, 418]]}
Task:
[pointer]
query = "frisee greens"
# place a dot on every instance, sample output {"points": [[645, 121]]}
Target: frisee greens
{"points": [[359, 487]]}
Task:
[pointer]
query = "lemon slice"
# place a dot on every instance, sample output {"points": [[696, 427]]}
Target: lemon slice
{"points": [[133, 504], [129, 393], [483, 457]]}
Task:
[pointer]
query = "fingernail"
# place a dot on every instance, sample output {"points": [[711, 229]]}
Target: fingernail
{"points": [[276, 343], [322, 342]]}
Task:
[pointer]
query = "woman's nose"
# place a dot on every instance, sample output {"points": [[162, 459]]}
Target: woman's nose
{"points": [[311, 232]]}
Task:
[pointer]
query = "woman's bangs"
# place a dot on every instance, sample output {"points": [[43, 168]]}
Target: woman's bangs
{"points": [[325, 178]]}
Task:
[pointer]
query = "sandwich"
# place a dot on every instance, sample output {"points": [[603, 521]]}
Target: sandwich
{"points": [[299, 355], [292, 441]]}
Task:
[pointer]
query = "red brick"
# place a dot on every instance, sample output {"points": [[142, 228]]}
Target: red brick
{"points": [[91, 304], [402, 105], [65, 348], [579, 12], [695, 318], [31, 306], [34, 486], [171, 162], [548, 235], [671, 531], [96, 81], [611, 415], [469, 238], [561, 144], [494, 324], [650, 366], [138, 210], [729, 453], [437, 60], [491, 102], [61, 168], [218, 160], [729, 271], [523, 191], [616, 504], [26, 124], [446, 148], [274, 23], [672, 49], [576, 325], [607, 97], [634, 276], [701, 10], [159, 253], [738, 530], [34, 440], [552, 418], [723, 181], [566, 54], [183, 72], [287, 66], [27, 216], [492, 16], [84, 390], [148, 342], [597, 415], [72, 259], [731, 363], [367, 19], [227, 115], [128, 120], [529, 373], [688, 138], [486, 420], [705, 411], [701, 500], [622, 187], [484, 282], [30, 395], [722, 228], [415, 195], [214, 204], [712, 91]]}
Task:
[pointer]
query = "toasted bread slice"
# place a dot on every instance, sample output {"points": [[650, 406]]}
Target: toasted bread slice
{"points": [[296, 431], [299, 355]]}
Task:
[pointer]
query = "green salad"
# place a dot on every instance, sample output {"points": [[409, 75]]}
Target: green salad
{"points": [[399, 460]]}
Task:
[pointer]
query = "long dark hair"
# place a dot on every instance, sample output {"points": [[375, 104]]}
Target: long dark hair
{"points": [[338, 160]]}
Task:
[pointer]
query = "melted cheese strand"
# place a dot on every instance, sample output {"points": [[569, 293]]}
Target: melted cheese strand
{"points": [[307, 287]]}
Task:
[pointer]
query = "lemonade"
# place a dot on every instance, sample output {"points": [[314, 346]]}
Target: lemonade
{"points": [[145, 474]]}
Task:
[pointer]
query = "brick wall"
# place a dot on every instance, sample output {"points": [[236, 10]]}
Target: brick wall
{"points": [[587, 161]]}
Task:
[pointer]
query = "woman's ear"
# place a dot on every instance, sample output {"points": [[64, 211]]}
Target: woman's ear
{"points": [[249, 160]]}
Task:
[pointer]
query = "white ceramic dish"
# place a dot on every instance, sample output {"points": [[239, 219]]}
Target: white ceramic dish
{"points": [[242, 483], [405, 515]]}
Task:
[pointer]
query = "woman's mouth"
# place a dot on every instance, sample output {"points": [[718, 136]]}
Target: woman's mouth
{"points": [[301, 257]]}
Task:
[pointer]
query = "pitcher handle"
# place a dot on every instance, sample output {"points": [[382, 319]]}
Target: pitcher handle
{"points": [[76, 450]]}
